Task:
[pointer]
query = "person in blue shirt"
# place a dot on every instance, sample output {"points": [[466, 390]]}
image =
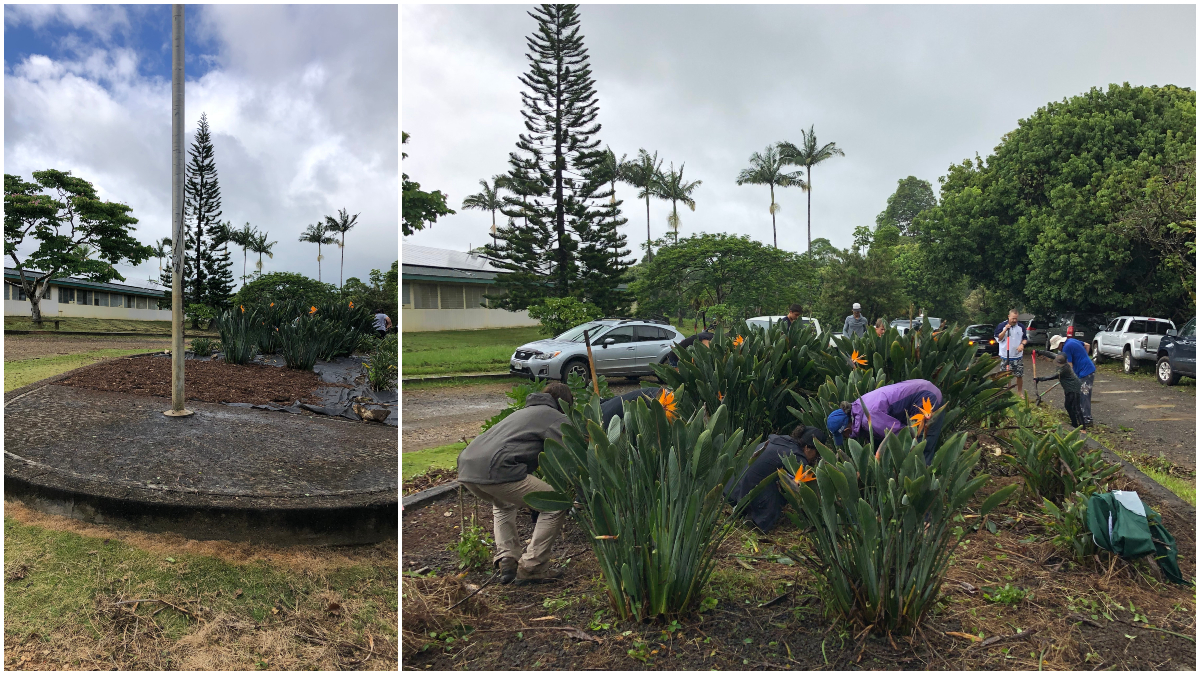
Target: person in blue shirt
{"points": [[1077, 353]]}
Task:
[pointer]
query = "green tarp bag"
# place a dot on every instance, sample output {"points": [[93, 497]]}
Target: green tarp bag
{"points": [[1122, 523]]}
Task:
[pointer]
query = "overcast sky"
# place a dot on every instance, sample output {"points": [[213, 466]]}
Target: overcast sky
{"points": [[903, 90], [301, 103]]}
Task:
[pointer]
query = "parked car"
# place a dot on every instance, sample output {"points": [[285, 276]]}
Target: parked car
{"points": [[980, 335], [1132, 339], [1077, 325], [1038, 332], [765, 322], [620, 347], [1177, 354]]}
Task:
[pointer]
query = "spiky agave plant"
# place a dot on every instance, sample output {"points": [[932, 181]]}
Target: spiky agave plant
{"points": [[882, 536], [648, 491]]}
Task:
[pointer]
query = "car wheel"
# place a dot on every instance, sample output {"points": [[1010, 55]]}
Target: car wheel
{"points": [[1096, 352], [1129, 364], [577, 366], [1166, 374]]}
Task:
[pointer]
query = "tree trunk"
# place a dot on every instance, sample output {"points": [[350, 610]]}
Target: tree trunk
{"points": [[342, 264], [35, 303], [649, 246], [318, 262], [675, 220], [243, 267], [774, 236], [809, 207]]}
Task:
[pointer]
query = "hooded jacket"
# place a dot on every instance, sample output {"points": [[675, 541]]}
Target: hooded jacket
{"points": [[884, 404], [508, 451], [765, 509]]}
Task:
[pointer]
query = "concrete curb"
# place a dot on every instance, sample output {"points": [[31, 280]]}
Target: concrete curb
{"points": [[1148, 488], [471, 376], [427, 497]]}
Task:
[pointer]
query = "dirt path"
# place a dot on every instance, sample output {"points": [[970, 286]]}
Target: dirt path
{"points": [[436, 417], [21, 347]]}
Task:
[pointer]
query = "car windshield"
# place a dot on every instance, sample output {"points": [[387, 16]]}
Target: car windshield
{"points": [[1189, 329], [982, 331], [1160, 327], [576, 333], [935, 322]]}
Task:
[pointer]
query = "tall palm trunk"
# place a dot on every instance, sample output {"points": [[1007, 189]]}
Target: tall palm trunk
{"points": [[809, 169], [774, 236], [318, 262], [649, 248], [342, 265]]}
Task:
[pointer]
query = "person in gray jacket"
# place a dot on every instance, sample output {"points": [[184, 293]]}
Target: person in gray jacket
{"points": [[856, 323], [497, 467]]}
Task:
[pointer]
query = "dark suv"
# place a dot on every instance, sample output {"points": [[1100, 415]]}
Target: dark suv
{"points": [[1177, 354], [1078, 325]]}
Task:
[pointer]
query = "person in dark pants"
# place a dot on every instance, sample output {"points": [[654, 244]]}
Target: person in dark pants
{"points": [[765, 509], [889, 408], [1085, 369], [610, 408], [1071, 385], [704, 339], [382, 324]]}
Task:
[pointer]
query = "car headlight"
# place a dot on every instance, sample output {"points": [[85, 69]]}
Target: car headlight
{"points": [[991, 342], [547, 357], [971, 342]]}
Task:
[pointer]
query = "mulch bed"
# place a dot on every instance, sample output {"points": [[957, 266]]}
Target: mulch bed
{"points": [[559, 625], [209, 381], [429, 479]]}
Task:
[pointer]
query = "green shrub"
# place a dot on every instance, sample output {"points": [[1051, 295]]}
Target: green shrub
{"points": [[649, 493], [349, 327], [558, 315], [1068, 524], [201, 314], [1005, 595], [880, 562], [284, 287], [1054, 466], [203, 347], [239, 329], [383, 367], [473, 546]]}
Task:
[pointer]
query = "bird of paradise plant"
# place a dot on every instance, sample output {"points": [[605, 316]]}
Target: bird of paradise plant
{"points": [[857, 359], [737, 341], [666, 398], [805, 474], [920, 421]]}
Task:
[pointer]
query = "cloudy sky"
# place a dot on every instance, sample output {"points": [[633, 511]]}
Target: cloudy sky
{"points": [[903, 90], [301, 104]]}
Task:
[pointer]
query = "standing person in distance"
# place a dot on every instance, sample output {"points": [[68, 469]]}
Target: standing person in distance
{"points": [[856, 323], [1077, 353], [1011, 337]]}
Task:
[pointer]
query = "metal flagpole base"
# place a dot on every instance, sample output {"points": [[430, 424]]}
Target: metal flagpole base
{"points": [[179, 413]]}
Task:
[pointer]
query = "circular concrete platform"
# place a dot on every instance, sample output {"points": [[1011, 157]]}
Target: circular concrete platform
{"points": [[223, 473]]}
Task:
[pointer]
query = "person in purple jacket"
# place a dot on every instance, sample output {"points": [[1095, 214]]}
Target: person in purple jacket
{"points": [[889, 408]]}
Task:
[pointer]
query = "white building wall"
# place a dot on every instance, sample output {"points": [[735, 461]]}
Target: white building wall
{"points": [[422, 320], [53, 309]]}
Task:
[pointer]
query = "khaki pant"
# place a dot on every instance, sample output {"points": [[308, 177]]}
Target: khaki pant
{"points": [[506, 499]]}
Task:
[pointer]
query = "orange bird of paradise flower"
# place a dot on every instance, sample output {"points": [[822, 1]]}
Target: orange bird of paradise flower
{"points": [[921, 420], [720, 397], [666, 399], [351, 304], [272, 304], [737, 341], [313, 310], [243, 308], [804, 474], [857, 359]]}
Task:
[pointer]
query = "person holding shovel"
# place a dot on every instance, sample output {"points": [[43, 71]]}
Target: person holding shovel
{"points": [[497, 467], [1071, 385], [890, 408], [1011, 338]]}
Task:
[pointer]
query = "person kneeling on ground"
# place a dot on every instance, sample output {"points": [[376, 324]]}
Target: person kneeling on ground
{"points": [[889, 408], [1071, 386], [704, 339], [498, 466], [765, 509]]}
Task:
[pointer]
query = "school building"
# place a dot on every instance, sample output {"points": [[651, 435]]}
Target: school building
{"points": [[442, 289], [70, 297]]}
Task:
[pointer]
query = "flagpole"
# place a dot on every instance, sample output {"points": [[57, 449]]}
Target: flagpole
{"points": [[177, 244]]}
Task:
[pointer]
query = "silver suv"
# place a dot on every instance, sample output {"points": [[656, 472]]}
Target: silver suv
{"points": [[619, 347]]}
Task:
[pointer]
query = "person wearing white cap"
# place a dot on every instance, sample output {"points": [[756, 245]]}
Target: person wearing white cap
{"points": [[856, 323], [1077, 353]]}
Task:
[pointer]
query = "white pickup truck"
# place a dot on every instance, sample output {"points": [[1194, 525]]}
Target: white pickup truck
{"points": [[1132, 339]]}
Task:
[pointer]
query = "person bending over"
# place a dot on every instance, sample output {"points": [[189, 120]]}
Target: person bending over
{"points": [[889, 408], [765, 509]]}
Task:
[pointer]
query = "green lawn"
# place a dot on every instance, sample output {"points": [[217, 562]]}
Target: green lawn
{"points": [[417, 463], [27, 371], [60, 588], [462, 351], [113, 325]]}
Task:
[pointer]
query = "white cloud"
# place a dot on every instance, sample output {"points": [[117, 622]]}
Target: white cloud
{"points": [[298, 130]]}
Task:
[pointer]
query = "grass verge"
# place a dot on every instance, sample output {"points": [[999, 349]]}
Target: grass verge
{"points": [[106, 325], [463, 351], [442, 457], [26, 371], [62, 590]]}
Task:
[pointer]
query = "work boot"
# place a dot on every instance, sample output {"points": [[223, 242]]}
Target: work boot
{"points": [[508, 570], [525, 577]]}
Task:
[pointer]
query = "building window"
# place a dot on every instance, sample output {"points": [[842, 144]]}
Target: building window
{"points": [[452, 296], [66, 296], [140, 302], [101, 299], [406, 295], [425, 296], [475, 296]]}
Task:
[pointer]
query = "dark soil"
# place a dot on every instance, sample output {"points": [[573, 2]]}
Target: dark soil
{"points": [[209, 381], [1077, 617], [431, 478]]}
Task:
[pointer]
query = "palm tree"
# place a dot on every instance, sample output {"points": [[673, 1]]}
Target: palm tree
{"points": [[612, 167], [674, 188], [644, 173], [342, 224], [809, 155], [318, 234], [260, 246], [767, 169], [488, 200], [162, 249], [242, 238]]}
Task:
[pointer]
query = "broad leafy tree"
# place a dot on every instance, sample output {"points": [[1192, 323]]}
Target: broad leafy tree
{"points": [[808, 154], [63, 215], [871, 278], [420, 209], [381, 291], [645, 174], [912, 196], [1062, 216], [767, 168], [280, 287], [675, 189], [566, 241]]}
